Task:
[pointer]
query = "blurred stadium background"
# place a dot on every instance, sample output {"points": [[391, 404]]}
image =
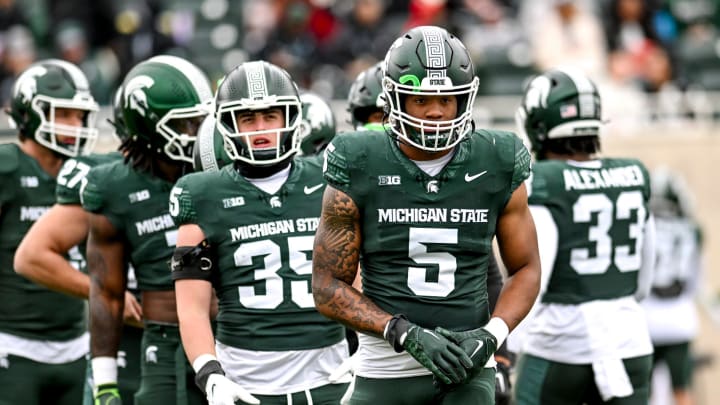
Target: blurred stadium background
{"points": [[657, 63]]}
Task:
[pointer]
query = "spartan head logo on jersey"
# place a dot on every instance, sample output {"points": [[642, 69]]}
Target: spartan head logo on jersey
{"points": [[432, 187], [275, 202]]}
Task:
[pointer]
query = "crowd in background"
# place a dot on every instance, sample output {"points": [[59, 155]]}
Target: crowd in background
{"points": [[638, 45]]}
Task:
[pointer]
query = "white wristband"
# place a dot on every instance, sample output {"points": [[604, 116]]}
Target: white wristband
{"points": [[499, 329], [201, 360], [104, 370]]}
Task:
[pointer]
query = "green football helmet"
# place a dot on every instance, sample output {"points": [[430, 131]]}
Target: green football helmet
{"points": [[209, 154], [254, 86], [670, 197], [165, 99], [366, 96], [39, 92], [562, 103], [317, 127], [117, 121], [429, 61]]}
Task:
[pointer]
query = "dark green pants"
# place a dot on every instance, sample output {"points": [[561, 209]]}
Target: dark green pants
{"points": [[166, 377], [27, 382], [421, 391], [326, 395], [679, 362], [545, 382]]}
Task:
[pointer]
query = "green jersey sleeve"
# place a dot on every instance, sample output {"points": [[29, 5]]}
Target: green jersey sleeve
{"points": [[70, 180], [522, 164], [9, 162], [72, 176], [336, 166], [182, 208]]}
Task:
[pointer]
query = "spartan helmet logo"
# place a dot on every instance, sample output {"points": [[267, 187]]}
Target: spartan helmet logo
{"points": [[27, 83], [151, 354], [135, 97], [537, 93], [432, 187], [275, 202]]}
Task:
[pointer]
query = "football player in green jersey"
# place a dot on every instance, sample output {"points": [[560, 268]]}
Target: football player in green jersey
{"points": [[247, 232], [365, 105], [418, 210], [676, 282], [365, 100], [43, 333], [164, 101], [587, 341], [49, 255]]}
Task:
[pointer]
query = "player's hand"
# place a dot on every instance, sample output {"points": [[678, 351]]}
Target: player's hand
{"points": [[221, 391], [107, 394], [479, 344], [502, 381], [445, 359], [132, 312]]}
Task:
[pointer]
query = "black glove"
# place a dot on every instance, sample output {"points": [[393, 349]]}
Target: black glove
{"points": [[447, 361], [107, 394], [503, 390]]}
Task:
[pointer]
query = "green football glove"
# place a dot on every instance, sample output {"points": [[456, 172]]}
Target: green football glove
{"points": [[107, 394], [479, 344], [445, 359]]}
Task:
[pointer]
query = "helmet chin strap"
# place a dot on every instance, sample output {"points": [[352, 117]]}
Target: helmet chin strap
{"points": [[260, 172]]}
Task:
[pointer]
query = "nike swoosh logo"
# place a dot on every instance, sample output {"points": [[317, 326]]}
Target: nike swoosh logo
{"points": [[310, 190], [479, 346], [469, 178]]}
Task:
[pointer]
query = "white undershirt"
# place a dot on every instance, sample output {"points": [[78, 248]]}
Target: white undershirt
{"points": [[272, 184], [433, 167]]}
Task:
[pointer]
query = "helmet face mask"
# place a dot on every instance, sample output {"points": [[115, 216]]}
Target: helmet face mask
{"points": [[317, 128], [40, 93], [259, 87], [428, 61], [562, 103], [180, 127], [164, 100]]}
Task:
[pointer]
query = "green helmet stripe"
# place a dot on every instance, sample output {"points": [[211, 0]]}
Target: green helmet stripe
{"points": [[586, 91]]}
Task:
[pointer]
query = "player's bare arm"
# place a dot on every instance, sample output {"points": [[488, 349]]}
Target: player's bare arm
{"points": [[517, 242], [41, 254], [106, 266], [194, 300], [336, 255]]}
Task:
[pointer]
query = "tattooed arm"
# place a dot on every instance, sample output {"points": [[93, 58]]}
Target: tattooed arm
{"points": [[106, 265], [336, 255]]}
